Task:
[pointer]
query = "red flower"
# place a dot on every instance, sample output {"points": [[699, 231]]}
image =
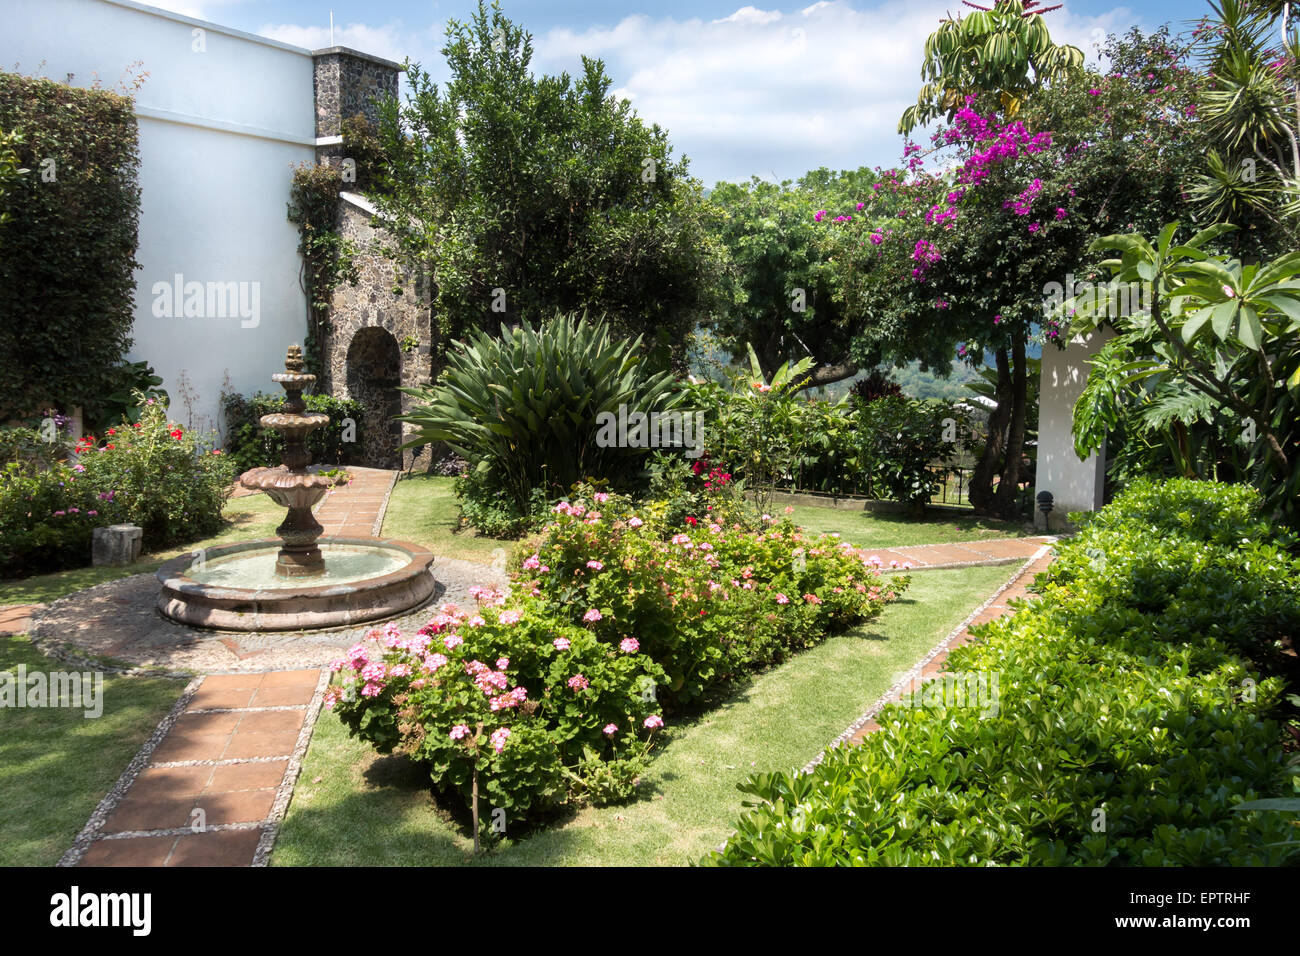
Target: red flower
{"points": [[691, 521], [112, 431], [136, 425], [177, 433], [110, 445]]}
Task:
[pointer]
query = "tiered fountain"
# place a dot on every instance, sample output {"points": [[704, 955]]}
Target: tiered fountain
{"points": [[298, 580]]}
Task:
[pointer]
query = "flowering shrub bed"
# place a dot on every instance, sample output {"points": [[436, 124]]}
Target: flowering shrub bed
{"points": [[528, 701], [1128, 722], [554, 694], [152, 473], [707, 602]]}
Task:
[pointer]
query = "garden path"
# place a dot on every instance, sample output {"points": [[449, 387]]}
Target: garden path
{"points": [[212, 784], [996, 606]]}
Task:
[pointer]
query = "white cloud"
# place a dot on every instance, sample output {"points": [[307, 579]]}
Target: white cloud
{"points": [[757, 92], [761, 93], [751, 15], [391, 41]]}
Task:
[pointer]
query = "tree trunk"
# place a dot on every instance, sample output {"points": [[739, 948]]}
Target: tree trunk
{"points": [[981, 482], [1006, 503], [826, 374]]}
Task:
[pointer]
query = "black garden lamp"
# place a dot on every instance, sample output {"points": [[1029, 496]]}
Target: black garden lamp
{"points": [[1045, 504]]}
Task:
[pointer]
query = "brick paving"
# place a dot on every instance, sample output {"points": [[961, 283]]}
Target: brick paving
{"points": [[957, 555], [216, 782], [356, 510], [1000, 605], [15, 618]]}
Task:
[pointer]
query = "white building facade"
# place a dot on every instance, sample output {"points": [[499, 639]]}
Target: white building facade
{"points": [[224, 116]]}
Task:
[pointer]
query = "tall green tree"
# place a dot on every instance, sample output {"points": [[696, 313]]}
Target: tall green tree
{"points": [[779, 281], [1004, 51], [523, 195]]}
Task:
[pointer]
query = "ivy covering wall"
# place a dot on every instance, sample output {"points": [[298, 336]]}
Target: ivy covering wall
{"points": [[68, 234]]}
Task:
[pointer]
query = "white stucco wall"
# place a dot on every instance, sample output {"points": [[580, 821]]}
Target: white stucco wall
{"points": [[220, 129], [1075, 485]]}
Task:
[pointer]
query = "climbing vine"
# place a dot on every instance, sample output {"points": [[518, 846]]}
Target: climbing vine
{"points": [[328, 258]]}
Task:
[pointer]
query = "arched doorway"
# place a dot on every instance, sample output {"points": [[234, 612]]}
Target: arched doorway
{"points": [[374, 371]]}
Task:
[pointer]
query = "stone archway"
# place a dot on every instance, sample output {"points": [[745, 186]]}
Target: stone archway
{"points": [[374, 371]]}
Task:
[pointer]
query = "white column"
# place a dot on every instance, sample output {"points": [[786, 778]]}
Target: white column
{"points": [[1076, 485]]}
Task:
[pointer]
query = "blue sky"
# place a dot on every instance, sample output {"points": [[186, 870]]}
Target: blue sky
{"points": [[743, 87]]}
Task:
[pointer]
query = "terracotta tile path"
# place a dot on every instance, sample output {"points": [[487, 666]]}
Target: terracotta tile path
{"points": [[356, 510], [211, 785]]}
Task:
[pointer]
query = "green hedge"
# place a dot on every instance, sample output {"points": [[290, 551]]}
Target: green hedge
{"points": [[69, 241], [1135, 708], [249, 445]]}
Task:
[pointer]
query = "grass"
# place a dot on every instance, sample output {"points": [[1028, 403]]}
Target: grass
{"points": [[253, 516], [56, 764], [423, 509], [870, 530], [355, 807]]}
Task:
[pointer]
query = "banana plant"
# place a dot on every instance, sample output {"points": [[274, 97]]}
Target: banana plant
{"points": [[1231, 330]]}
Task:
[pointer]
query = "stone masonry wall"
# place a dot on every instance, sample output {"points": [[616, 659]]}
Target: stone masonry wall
{"points": [[358, 360], [376, 302], [348, 82]]}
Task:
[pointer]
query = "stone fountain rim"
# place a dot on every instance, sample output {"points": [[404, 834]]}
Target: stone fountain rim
{"points": [[172, 577]]}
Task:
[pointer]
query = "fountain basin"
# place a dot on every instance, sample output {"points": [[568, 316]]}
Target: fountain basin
{"points": [[235, 587]]}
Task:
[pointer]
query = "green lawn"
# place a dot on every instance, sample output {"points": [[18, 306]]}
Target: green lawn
{"points": [[423, 509], [56, 764], [869, 530], [355, 807], [253, 516]]}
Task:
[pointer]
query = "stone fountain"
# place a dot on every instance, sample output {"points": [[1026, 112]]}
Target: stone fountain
{"points": [[298, 581], [290, 486]]}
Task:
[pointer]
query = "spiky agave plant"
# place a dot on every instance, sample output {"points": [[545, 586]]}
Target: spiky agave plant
{"points": [[526, 406]]}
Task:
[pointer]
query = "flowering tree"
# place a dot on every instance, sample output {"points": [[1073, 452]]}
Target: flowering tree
{"points": [[955, 264]]}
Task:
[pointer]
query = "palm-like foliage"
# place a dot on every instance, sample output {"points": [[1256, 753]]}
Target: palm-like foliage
{"points": [[1251, 108], [1005, 51], [525, 407], [1229, 330]]}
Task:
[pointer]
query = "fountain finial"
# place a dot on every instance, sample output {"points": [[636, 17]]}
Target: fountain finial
{"points": [[293, 358]]}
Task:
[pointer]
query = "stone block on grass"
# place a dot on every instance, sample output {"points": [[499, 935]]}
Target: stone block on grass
{"points": [[116, 545]]}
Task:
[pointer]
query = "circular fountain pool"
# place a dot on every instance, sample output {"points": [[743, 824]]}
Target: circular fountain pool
{"points": [[236, 587]]}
